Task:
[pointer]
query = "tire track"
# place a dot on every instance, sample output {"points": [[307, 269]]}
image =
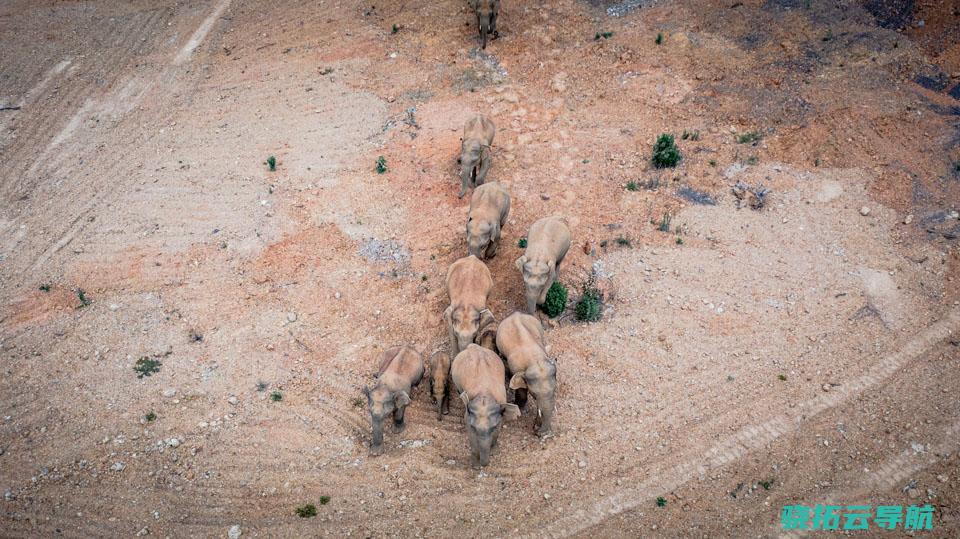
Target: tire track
{"points": [[667, 478]]}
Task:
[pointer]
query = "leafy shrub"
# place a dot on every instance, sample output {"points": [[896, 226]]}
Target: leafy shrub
{"points": [[633, 186], [276, 396], [381, 165], [665, 152], [589, 307], [272, 163], [661, 501], [659, 38], [664, 225], [750, 137], [522, 243], [556, 300], [324, 500]]}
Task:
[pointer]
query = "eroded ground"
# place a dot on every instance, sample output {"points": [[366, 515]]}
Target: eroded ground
{"points": [[803, 353]]}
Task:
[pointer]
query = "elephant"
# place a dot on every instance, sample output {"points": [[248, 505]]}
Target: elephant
{"points": [[401, 369], [489, 208], [547, 243], [520, 338], [468, 286], [479, 376], [475, 159]]}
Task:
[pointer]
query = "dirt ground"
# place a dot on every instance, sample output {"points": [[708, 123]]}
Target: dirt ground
{"points": [[805, 353]]}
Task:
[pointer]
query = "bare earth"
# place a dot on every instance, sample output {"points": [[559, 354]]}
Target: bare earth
{"points": [[800, 354]]}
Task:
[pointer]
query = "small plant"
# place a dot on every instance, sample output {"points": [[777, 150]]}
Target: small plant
{"points": [[150, 416], [665, 152], [381, 165], [753, 160], [624, 242], [604, 35], [82, 296], [146, 367], [261, 386], [196, 336], [556, 300], [45, 287], [750, 137], [276, 396], [956, 168], [659, 39], [423, 277], [766, 484], [272, 163], [679, 240], [661, 501], [713, 162], [782, 377], [522, 243], [395, 29], [633, 186], [307, 511], [828, 36], [357, 402], [664, 225], [324, 500], [589, 307], [690, 135]]}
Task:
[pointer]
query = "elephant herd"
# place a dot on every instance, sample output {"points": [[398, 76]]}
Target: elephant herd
{"points": [[483, 357]]}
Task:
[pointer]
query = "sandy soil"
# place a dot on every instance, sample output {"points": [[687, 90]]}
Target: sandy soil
{"points": [[804, 353]]}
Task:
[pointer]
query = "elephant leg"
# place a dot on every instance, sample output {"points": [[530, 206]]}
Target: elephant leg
{"points": [[520, 397], [398, 422]]}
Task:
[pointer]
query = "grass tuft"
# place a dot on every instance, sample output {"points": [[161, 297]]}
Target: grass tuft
{"points": [[324, 500], [146, 367], [276, 396], [665, 152], [381, 165], [522, 243], [307, 511], [659, 38], [633, 186], [272, 163], [589, 307], [750, 137], [604, 35], [45, 287], [782, 377], [150, 416], [664, 225], [661, 501], [82, 296]]}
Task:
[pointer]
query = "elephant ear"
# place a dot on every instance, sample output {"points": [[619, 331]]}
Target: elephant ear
{"points": [[486, 320], [517, 381], [402, 399], [366, 391], [521, 261], [511, 411], [447, 315], [466, 399]]}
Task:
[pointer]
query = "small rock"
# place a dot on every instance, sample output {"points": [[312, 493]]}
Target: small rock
{"points": [[169, 392], [865, 211], [337, 295], [826, 387], [114, 306], [233, 400], [582, 464], [291, 317], [118, 467], [9, 495], [173, 442], [908, 219], [546, 496], [234, 532], [942, 478], [544, 196], [913, 493], [144, 531]]}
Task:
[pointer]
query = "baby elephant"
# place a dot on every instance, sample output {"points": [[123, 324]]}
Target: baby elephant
{"points": [[475, 152], [487, 11], [440, 382], [401, 369], [520, 338], [478, 374], [468, 285], [489, 207], [547, 244]]}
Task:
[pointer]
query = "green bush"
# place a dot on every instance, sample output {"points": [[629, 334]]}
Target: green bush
{"points": [[381, 165], [589, 307], [665, 152], [307, 511], [272, 163], [522, 243], [146, 367], [556, 300], [749, 137]]}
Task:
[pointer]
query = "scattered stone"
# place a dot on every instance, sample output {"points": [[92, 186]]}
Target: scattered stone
{"points": [[169, 392], [414, 444], [143, 532], [826, 387], [546, 496], [234, 532], [337, 295], [544, 196], [233, 400], [865, 211], [173, 442], [118, 467], [291, 317], [582, 464], [908, 219], [942, 478], [9, 495]]}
